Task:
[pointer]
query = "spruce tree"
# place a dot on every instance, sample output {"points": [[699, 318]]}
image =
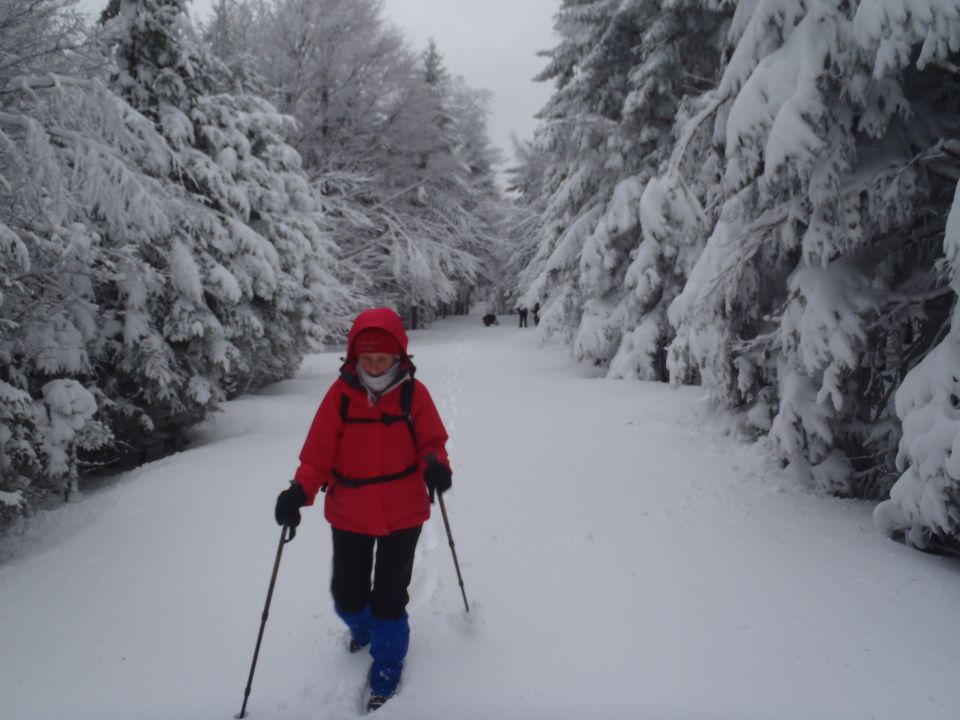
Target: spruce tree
{"points": [[818, 289], [82, 179], [250, 255], [605, 272]]}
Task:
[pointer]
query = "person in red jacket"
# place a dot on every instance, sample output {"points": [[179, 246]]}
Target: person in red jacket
{"points": [[377, 447]]}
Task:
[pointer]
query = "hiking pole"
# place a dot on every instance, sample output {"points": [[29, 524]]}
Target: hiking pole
{"points": [[284, 539], [456, 564]]}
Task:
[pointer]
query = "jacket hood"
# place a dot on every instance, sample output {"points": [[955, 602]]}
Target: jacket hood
{"points": [[382, 318]]}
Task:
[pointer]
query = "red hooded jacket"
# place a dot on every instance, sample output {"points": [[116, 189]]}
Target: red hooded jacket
{"points": [[371, 449]]}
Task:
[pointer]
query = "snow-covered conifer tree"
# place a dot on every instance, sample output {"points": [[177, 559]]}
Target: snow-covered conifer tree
{"points": [[230, 33], [247, 262], [80, 180], [150, 262], [577, 123], [817, 289], [520, 226], [789, 215], [916, 48], [605, 274]]}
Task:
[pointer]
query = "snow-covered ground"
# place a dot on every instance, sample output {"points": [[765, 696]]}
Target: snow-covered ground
{"points": [[624, 558]]}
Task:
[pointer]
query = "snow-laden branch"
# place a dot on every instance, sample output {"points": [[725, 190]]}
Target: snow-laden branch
{"points": [[690, 130]]}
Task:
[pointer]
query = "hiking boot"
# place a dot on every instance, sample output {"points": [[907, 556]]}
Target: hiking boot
{"points": [[376, 702]]}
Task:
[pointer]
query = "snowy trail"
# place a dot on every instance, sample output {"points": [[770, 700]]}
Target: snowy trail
{"points": [[623, 559]]}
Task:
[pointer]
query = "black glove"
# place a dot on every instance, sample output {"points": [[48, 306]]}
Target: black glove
{"points": [[437, 476], [289, 503]]}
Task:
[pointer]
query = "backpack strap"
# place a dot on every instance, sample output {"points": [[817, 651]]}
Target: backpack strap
{"points": [[406, 409], [360, 482]]}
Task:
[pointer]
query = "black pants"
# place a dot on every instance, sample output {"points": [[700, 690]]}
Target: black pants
{"points": [[353, 561]]}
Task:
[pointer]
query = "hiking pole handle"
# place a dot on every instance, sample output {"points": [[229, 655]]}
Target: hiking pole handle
{"points": [[453, 551], [287, 534]]}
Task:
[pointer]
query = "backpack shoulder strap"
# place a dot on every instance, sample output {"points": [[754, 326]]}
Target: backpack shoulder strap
{"points": [[406, 397], [406, 407]]}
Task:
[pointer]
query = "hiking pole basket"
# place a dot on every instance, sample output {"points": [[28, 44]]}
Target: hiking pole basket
{"points": [[453, 550], [286, 535]]}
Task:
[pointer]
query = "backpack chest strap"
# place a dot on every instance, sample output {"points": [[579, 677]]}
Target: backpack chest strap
{"points": [[406, 404]]}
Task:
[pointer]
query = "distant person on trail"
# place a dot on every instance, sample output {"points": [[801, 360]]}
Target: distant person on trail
{"points": [[490, 319], [536, 314], [376, 446], [523, 316]]}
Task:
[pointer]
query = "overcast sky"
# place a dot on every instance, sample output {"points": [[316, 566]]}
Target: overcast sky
{"points": [[491, 43]]}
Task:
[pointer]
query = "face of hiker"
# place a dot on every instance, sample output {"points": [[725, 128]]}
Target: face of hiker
{"points": [[377, 363]]}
